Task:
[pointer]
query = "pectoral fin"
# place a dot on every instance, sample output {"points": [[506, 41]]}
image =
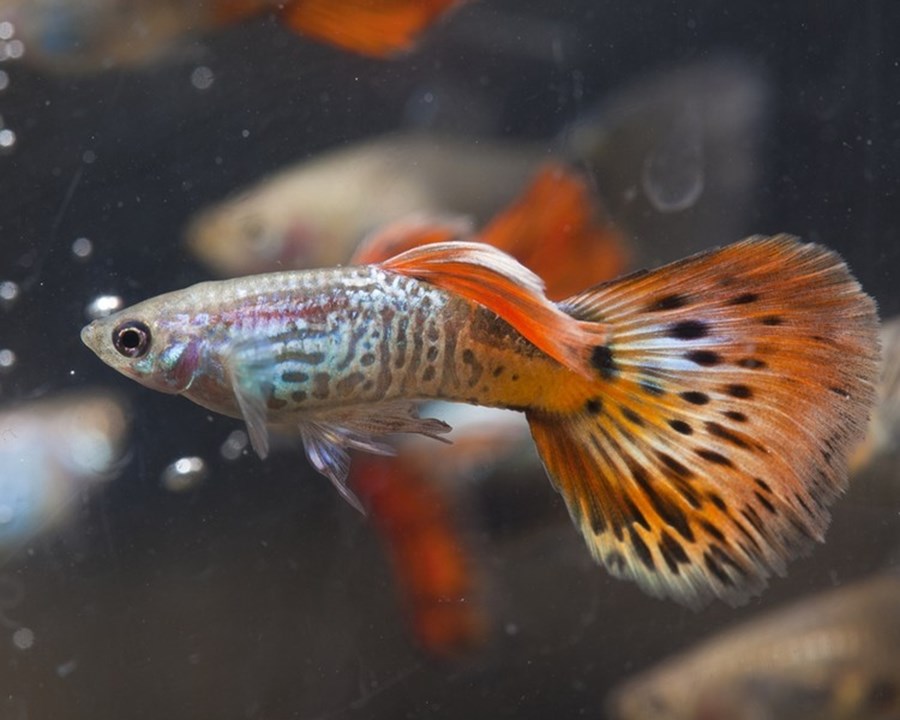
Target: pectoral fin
{"points": [[244, 368]]}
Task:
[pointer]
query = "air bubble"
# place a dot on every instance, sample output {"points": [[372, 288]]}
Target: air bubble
{"points": [[4, 80], [202, 77], [82, 248], [103, 306], [234, 445], [7, 360], [23, 638], [15, 49], [673, 177], [7, 139], [184, 474], [7, 514], [7, 30], [9, 293]]}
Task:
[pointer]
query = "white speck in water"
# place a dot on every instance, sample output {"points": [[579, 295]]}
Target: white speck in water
{"points": [[7, 30], [6, 514], [245, 133], [511, 628], [65, 669], [184, 474], [7, 359], [23, 638], [9, 293], [103, 306], [234, 446], [202, 77], [4, 80], [7, 139], [88, 157], [82, 248], [15, 49], [672, 176]]}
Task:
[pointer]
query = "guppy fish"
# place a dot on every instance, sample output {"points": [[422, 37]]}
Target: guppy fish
{"points": [[830, 657], [695, 418]]}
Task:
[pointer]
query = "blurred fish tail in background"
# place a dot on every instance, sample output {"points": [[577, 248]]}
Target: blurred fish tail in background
{"points": [[831, 656], [53, 452]]}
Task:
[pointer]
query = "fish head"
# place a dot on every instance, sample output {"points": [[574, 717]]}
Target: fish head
{"points": [[156, 349], [246, 236]]}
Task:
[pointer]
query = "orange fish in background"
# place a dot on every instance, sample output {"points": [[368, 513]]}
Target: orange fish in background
{"points": [[377, 28], [93, 35], [434, 571], [556, 229]]}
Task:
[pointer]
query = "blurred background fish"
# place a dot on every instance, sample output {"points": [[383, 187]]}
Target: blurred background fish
{"points": [[883, 436], [834, 656], [52, 452], [91, 35], [316, 212]]}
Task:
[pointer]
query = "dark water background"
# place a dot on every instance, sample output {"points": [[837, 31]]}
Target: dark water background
{"points": [[262, 594]]}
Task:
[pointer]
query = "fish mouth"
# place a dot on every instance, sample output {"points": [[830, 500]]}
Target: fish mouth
{"points": [[89, 335]]}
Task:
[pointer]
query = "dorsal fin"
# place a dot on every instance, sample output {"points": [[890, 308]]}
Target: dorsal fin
{"points": [[496, 281]]}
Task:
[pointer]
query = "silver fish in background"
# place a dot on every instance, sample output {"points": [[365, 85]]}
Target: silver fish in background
{"points": [[315, 213], [829, 657], [51, 452], [883, 436]]}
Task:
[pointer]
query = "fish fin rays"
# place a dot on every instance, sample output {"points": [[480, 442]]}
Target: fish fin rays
{"points": [[252, 404], [556, 228], [327, 439], [496, 281], [376, 28], [732, 386]]}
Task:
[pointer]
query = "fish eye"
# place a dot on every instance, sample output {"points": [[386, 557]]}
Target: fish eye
{"points": [[131, 339]]}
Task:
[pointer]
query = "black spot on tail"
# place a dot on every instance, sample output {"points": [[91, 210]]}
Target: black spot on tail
{"points": [[714, 457], [594, 406], [751, 363], [772, 320], [695, 398], [640, 547], [744, 299], [736, 416], [672, 551], [706, 358], [602, 360], [680, 426], [717, 570], [739, 391], [720, 432], [688, 330], [669, 302]]}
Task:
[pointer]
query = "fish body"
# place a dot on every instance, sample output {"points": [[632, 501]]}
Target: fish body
{"points": [[663, 404], [829, 657], [333, 339]]}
